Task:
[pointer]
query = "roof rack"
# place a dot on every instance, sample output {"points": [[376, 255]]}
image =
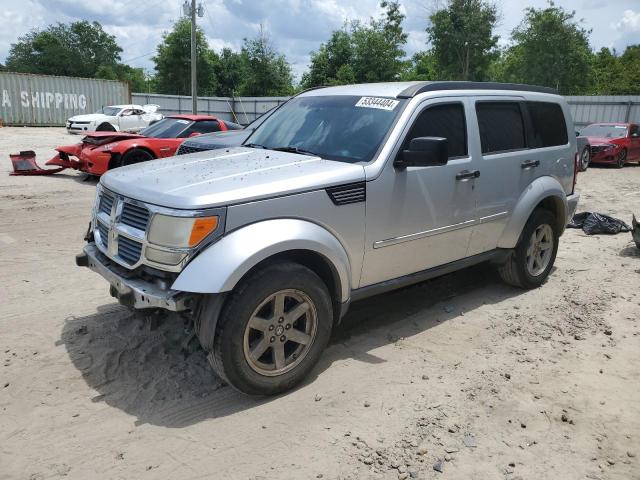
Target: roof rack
{"points": [[422, 87]]}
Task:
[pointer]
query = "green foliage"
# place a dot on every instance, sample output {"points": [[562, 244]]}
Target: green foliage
{"points": [[267, 73], [422, 66], [462, 39], [173, 62], [78, 49], [133, 76], [617, 75], [550, 48], [231, 72], [361, 53]]}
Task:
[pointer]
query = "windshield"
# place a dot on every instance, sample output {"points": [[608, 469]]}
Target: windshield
{"points": [[605, 131], [166, 128], [111, 111], [340, 127]]}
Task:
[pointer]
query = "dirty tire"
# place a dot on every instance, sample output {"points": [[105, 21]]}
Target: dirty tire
{"points": [[621, 158], [585, 158], [137, 155], [105, 127], [229, 357], [514, 270]]}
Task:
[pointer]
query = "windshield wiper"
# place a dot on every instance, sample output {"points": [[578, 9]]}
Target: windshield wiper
{"points": [[293, 149], [253, 145]]}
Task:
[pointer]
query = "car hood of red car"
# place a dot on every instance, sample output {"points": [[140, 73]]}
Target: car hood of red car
{"points": [[101, 138], [604, 141]]}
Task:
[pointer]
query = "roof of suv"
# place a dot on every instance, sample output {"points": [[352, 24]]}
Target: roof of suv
{"points": [[411, 89]]}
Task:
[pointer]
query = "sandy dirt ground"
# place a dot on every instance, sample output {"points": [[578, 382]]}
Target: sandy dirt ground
{"points": [[461, 377]]}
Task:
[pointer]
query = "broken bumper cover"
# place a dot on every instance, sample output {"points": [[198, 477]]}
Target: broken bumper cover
{"points": [[132, 292]]}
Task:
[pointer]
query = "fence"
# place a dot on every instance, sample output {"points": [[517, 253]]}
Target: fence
{"points": [[618, 108], [236, 109], [48, 100]]}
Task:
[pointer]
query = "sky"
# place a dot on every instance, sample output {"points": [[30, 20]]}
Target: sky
{"points": [[296, 27]]}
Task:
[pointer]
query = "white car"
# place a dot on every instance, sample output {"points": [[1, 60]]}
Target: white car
{"points": [[115, 118]]}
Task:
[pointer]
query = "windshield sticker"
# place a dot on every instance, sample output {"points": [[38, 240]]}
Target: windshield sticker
{"points": [[182, 121], [376, 102]]}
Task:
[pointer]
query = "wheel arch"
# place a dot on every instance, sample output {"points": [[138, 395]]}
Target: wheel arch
{"points": [[544, 192], [222, 265], [116, 155], [105, 122]]}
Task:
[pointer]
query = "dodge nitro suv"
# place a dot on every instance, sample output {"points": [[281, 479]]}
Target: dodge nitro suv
{"points": [[342, 193]]}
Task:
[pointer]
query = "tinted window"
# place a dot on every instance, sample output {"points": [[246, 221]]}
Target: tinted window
{"points": [[548, 127], [166, 128], [501, 126], [446, 121], [635, 130], [204, 126]]}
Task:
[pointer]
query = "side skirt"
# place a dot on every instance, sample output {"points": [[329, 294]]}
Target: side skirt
{"points": [[496, 256]]}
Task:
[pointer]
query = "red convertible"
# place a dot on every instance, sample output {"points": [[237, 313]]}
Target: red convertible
{"points": [[102, 151], [613, 143]]}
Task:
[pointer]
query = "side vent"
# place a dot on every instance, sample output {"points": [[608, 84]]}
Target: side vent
{"points": [[345, 194]]}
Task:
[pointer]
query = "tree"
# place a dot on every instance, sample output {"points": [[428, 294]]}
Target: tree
{"points": [[462, 39], [267, 72], [422, 66], [78, 49], [173, 62], [359, 52], [230, 72], [550, 48], [133, 76]]}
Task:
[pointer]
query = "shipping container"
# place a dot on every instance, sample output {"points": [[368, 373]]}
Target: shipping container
{"points": [[45, 100]]}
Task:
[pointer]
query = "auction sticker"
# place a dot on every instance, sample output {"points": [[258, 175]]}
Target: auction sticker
{"points": [[377, 102]]}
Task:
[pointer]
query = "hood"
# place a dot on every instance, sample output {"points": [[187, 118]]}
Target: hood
{"points": [[150, 108], [225, 177], [230, 138], [88, 117], [603, 141], [102, 138]]}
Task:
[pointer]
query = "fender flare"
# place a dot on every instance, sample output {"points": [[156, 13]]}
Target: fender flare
{"points": [[542, 189], [224, 263]]}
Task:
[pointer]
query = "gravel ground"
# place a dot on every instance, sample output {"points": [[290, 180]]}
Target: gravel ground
{"points": [[459, 377]]}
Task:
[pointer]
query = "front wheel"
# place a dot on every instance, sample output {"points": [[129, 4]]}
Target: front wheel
{"points": [[529, 264], [621, 159], [272, 329], [585, 158], [137, 155]]}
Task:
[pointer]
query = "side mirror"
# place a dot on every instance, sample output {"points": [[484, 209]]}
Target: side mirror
{"points": [[635, 135], [425, 152], [577, 134], [194, 134]]}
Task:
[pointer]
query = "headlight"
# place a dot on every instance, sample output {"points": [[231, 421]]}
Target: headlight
{"points": [[609, 147], [181, 232], [108, 147]]}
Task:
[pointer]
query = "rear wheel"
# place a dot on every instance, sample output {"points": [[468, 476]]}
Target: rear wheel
{"points": [[272, 329], [621, 159], [529, 264], [137, 155], [585, 158]]}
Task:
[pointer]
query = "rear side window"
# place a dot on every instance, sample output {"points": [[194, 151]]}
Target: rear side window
{"points": [[501, 126], [446, 121], [203, 126], [548, 128]]}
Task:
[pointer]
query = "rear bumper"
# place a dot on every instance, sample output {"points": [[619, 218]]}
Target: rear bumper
{"points": [[132, 292], [572, 205]]}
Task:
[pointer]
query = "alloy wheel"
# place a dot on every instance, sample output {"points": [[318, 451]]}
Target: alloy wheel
{"points": [[540, 250], [280, 332]]}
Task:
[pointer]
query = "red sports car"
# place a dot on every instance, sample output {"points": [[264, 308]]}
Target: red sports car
{"points": [[102, 151], [613, 143]]}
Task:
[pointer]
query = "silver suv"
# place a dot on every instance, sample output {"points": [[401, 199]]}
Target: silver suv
{"points": [[342, 193]]}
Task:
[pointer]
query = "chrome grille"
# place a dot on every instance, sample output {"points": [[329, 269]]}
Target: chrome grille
{"points": [[134, 216], [106, 202], [104, 233], [129, 250]]}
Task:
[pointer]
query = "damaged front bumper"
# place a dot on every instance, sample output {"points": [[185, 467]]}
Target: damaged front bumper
{"points": [[132, 292]]}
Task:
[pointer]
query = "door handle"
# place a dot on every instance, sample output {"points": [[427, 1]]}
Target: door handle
{"points": [[467, 174], [530, 164]]}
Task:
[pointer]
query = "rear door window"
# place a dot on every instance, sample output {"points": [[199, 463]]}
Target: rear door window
{"points": [[548, 127], [203, 126], [445, 121], [501, 127]]}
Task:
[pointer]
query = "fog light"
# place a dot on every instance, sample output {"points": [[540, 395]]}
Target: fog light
{"points": [[165, 258]]}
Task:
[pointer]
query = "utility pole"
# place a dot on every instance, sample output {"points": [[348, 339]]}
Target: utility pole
{"points": [[191, 11]]}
